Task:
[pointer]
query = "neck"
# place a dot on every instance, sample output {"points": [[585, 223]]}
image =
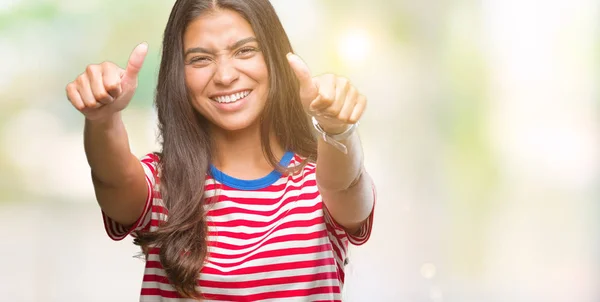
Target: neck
{"points": [[239, 153]]}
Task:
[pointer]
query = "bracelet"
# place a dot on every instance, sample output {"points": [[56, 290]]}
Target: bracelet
{"points": [[334, 139]]}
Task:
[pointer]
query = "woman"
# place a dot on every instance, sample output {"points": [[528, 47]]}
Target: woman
{"points": [[244, 202]]}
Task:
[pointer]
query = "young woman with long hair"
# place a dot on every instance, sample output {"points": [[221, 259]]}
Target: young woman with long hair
{"points": [[259, 185]]}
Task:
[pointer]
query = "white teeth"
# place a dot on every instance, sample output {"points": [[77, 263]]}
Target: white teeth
{"points": [[232, 98]]}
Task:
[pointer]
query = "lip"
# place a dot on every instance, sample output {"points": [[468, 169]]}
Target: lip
{"points": [[224, 93]]}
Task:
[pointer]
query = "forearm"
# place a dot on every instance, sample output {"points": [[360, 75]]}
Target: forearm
{"points": [[344, 185], [108, 153], [337, 171]]}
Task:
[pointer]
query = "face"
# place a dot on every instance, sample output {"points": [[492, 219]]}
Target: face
{"points": [[225, 70]]}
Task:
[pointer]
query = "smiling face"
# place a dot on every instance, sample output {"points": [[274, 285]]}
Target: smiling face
{"points": [[225, 71]]}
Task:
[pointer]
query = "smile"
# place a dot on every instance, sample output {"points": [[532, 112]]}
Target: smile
{"points": [[226, 99]]}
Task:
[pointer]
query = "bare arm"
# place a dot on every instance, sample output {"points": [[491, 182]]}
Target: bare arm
{"points": [[343, 183], [345, 186], [100, 94], [118, 176]]}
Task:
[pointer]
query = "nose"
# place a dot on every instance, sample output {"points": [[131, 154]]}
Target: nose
{"points": [[226, 73]]}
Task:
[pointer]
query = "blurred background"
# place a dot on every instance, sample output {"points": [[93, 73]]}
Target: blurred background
{"points": [[482, 135]]}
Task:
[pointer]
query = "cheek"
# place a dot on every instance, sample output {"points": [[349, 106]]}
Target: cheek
{"points": [[197, 79], [256, 69]]}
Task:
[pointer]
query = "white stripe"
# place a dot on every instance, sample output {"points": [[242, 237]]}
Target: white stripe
{"points": [[253, 230], [268, 248], [263, 218], [259, 240], [261, 261], [255, 276], [266, 261]]}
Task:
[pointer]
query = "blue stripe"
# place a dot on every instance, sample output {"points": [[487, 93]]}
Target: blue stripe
{"points": [[255, 184]]}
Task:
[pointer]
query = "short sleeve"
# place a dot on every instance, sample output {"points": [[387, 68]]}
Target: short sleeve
{"points": [[363, 234], [118, 231]]}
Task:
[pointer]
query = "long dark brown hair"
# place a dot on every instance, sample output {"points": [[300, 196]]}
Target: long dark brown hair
{"points": [[186, 141]]}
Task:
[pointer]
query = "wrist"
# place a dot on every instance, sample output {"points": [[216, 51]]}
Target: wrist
{"points": [[105, 121], [337, 140], [332, 128]]}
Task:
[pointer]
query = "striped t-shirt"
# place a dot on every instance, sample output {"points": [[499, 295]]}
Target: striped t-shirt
{"points": [[268, 239]]}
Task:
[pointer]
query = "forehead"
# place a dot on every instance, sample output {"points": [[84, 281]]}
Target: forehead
{"points": [[217, 29]]}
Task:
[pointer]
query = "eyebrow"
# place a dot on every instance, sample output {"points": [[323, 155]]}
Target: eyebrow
{"points": [[233, 46]]}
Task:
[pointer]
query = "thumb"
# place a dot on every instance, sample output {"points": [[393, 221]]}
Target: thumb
{"points": [[308, 89], [136, 60]]}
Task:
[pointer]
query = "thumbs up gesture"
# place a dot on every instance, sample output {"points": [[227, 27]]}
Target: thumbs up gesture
{"points": [[105, 88], [332, 100]]}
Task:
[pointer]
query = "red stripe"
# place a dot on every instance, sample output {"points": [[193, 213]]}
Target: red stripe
{"points": [[159, 209], [150, 165], [313, 235], [271, 267], [256, 201], [252, 235], [241, 236], [276, 294], [270, 281], [156, 222], [159, 292], [251, 283]]}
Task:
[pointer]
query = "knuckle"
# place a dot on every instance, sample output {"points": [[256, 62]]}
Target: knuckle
{"points": [[79, 79], [344, 82], [91, 68], [332, 111], [108, 66], [112, 85], [362, 99], [343, 117], [100, 95], [70, 87]]}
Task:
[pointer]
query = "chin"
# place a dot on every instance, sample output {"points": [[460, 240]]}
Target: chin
{"points": [[237, 125]]}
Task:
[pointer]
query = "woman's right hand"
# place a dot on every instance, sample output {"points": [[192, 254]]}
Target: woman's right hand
{"points": [[104, 89]]}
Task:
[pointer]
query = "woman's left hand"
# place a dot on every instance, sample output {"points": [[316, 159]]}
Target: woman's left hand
{"points": [[331, 99]]}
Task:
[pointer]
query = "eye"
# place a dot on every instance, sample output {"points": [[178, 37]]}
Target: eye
{"points": [[246, 52], [199, 60]]}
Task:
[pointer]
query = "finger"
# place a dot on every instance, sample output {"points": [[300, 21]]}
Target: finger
{"points": [[300, 69], [74, 97], [111, 77], [308, 88], [327, 87], [85, 91], [95, 111], [349, 104], [342, 86], [94, 73], [134, 65], [359, 108]]}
